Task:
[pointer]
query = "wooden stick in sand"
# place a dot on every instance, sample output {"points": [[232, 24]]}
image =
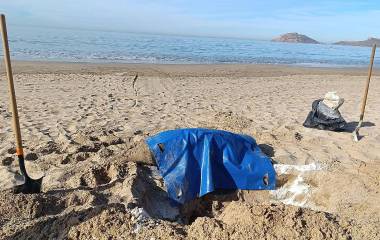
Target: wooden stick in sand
{"points": [[30, 185], [355, 134]]}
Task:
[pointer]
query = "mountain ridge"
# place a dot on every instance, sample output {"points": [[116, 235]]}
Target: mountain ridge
{"points": [[295, 38], [365, 43]]}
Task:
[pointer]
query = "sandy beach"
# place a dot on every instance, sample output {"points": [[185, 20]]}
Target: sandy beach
{"points": [[83, 125]]}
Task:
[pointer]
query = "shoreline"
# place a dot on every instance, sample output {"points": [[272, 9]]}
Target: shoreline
{"points": [[187, 70]]}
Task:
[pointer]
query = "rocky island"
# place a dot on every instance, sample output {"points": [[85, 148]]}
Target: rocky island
{"points": [[294, 38], [366, 43]]}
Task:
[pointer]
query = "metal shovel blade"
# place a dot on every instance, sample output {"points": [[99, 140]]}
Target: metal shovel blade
{"points": [[355, 133], [30, 185]]}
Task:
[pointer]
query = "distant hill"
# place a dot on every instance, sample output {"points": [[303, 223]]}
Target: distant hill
{"points": [[366, 43], [294, 38]]}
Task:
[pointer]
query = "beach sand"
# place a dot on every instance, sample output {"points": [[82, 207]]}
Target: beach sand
{"points": [[83, 127]]}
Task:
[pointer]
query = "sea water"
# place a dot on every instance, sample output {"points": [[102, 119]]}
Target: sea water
{"points": [[36, 43]]}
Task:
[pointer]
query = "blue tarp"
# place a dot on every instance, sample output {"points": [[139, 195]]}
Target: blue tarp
{"points": [[194, 162]]}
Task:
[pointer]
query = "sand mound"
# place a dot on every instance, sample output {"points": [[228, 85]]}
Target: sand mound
{"points": [[243, 221], [119, 223], [136, 206], [70, 216], [131, 202], [231, 121]]}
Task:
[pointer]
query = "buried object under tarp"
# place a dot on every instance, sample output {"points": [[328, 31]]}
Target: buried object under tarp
{"points": [[194, 162]]}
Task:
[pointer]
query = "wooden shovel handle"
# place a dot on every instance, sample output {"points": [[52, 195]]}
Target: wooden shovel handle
{"points": [[364, 101], [7, 59]]}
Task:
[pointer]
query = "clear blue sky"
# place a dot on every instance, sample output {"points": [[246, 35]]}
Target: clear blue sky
{"points": [[324, 20]]}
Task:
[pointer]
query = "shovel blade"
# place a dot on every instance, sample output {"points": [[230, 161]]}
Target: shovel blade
{"points": [[29, 187], [355, 133], [355, 136]]}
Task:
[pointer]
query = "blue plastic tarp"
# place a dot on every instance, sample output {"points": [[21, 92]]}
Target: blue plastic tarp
{"points": [[194, 162]]}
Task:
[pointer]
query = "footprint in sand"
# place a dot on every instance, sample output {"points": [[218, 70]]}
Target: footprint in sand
{"points": [[31, 157], [11, 150], [99, 176], [78, 157], [7, 161]]}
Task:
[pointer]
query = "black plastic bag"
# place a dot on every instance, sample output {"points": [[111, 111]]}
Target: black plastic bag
{"points": [[324, 118]]}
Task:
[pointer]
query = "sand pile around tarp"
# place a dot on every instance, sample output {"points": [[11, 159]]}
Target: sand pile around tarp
{"points": [[243, 221], [237, 221], [136, 206], [70, 216], [135, 189]]}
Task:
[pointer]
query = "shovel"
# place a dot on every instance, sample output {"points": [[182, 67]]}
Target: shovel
{"points": [[355, 133], [30, 185]]}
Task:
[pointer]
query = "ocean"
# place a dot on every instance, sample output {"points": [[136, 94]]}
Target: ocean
{"points": [[35, 43]]}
